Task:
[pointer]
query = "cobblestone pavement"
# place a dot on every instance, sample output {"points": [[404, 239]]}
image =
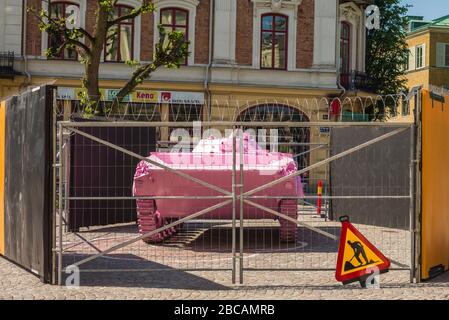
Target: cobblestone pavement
{"points": [[16, 283], [156, 273], [208, 245]]}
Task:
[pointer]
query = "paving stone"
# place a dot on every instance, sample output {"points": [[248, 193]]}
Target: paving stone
{"points": [[16, 283]]}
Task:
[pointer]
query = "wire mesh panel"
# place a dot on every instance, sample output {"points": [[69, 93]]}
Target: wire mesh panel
{"points": [[115, 196], [262, 189], [370, 184]]}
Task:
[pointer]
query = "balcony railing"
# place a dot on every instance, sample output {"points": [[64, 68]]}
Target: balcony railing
{"points": [[356, 80], [7, 65]]}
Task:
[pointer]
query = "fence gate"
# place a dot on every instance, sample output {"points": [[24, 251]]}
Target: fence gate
{"points": [[262, 192]]}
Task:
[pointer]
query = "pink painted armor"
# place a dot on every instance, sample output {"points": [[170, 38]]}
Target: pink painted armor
{"points": [[212, 161]]}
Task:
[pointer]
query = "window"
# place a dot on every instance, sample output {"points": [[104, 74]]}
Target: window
{"points": [[345, 47], [407, 63], [345, 53], [175, 19], [442, 55], [58, 11], [120, 43], [294, 140], [446, 56], [273, 43], [420, 56], [411, 60]]}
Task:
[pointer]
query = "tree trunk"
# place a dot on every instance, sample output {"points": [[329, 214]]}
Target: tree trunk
{"points": [[91, 81]]}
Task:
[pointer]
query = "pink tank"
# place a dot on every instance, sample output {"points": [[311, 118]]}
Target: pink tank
{"points": [[211, 161]]}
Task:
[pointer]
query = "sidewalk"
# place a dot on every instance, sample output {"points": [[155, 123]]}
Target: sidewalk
{"points": [[16, 283]]}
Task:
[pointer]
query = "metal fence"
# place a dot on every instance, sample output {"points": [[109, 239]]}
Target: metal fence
{"points": [[233, 215]]}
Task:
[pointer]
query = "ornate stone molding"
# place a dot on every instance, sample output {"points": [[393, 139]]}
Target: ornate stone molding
{"points": [[349, 11], [277, 5], [186, 2]]}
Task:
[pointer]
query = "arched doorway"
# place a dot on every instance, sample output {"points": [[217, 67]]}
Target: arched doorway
{"points": [[294, 140]]}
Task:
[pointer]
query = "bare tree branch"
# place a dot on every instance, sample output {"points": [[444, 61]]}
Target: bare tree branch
{"points": [[86, 34], [170, 51], [45, 18], [80, 45], [128, 16], [145, 8]]}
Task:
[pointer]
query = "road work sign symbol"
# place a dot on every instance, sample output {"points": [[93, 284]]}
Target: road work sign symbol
{"points": [[356, 255]]}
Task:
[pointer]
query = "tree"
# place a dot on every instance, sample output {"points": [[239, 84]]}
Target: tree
{"points": [[170, 51], [387, 54]]}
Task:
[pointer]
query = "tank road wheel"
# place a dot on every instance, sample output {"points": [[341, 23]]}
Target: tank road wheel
{"points": [[149, 219], [289, 230]]}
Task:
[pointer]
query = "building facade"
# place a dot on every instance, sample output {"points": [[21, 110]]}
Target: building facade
{"points": [[11, 44], [245, 54], [243, 48], [428, 60], [428, 42]]}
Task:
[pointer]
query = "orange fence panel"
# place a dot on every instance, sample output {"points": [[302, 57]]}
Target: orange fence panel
{"points": [[2, 176], [435, 185]]}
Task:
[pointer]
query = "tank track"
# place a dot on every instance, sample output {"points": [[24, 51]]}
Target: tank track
{"points": [[288, 231], [149, 219]]}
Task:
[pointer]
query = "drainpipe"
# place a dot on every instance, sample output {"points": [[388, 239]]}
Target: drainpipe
{"points": [[211, 50], [24, 42]]}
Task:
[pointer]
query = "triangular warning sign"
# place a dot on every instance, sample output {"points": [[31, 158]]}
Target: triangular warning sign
{"points": [[357, 257]]}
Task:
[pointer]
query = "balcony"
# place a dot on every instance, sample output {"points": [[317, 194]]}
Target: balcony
{"points": [[7, 65], [356, 80]]}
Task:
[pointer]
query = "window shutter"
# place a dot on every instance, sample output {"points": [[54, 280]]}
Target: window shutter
{"points": [[424, 64], [411, 58], [441, 54]]}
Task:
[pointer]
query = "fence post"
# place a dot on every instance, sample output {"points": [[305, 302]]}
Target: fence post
{"points": [[416, 236], [54, 187], [412, 202], [234, 199], [241, 205], [415, 194], [60, 200]]}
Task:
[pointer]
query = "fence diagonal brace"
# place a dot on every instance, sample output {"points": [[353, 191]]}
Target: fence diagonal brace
{"points": [[325, 161], [82, 238], [151, 233], [283, 216], [135, 155]]}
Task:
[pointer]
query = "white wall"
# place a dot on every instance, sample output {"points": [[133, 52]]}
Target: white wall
{"points": [[225, 30], [312, 78], [11, 26], [325, 33]]}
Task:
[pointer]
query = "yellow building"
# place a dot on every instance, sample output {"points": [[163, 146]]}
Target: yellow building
{"points": [[428, 61], [429, 52]]}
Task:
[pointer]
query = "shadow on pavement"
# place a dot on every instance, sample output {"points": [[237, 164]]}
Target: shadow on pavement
{"points": [[265, 239], [442, 278], [126, 270]]}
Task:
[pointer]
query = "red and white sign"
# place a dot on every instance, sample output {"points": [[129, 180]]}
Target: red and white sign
{"points": [[144, 96], [357, 257], [182, 97]]}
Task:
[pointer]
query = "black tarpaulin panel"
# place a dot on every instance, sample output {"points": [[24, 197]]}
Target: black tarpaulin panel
{"points": [[381, 169], [100, 171], [28, 181]]}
